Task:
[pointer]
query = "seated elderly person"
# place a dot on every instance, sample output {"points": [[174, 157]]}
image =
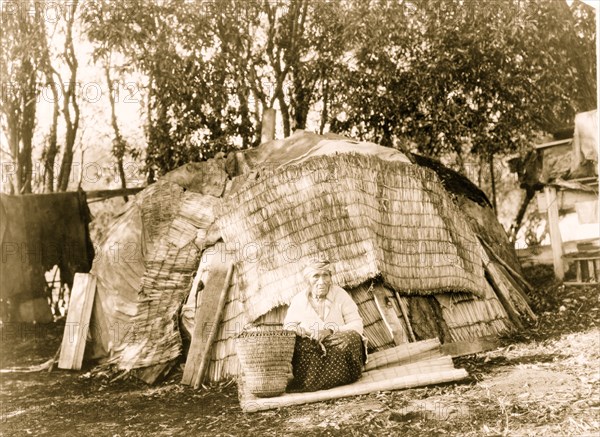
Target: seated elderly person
{"points": [[329, 347]]}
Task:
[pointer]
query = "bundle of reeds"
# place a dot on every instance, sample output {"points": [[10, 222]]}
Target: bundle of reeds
{"points": [[223, 360], [156, 338], [374, 327], [476, 317], [432, 365], [158, 203]]}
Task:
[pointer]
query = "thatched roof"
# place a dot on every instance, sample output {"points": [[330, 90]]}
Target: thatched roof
{"points": [[368, 216]]}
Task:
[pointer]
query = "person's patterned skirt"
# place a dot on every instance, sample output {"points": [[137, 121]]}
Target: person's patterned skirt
{"points": [[338, 361]]}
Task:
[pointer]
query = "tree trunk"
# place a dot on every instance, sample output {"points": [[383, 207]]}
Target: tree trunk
{"points": [[324, 113], [119, 144], [514, 229], [49, 155], [70, 103], [51, 150], [480, 172], [301, 102], [285, 114], [27, 126], [150, 177], [493, 182], [267, 132]]}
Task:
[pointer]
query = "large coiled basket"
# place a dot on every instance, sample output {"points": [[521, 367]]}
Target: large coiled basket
{"points": [[266, 360]]}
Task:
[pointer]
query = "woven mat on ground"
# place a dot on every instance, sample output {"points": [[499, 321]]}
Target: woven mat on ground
{"points": [[368, 216]]}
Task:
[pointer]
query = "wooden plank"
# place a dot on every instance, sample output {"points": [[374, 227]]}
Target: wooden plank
{"points": [[389, 316], [581, 258], [543, 254], [78, 321], [209, 309], [213, 332], [555, 238], [553, 144], [590, 179], [517, 275], [511, 293], [470, 347], [502, 292], [418, 379], [521, 299]]}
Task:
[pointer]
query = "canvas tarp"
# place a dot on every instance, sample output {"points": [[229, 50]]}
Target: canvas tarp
{"points": [[302, 145], [585, 140], [37, 232]]}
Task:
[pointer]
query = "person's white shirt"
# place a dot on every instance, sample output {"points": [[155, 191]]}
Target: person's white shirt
{"points": [[340, 313]]}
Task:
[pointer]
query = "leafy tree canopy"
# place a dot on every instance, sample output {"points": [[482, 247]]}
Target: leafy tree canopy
{"points": [[438, 76], [466, 76]]}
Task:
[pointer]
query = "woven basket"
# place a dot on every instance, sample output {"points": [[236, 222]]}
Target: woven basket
{"points": [[266, 360]]}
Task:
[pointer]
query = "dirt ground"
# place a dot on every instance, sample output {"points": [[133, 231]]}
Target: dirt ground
{"points": [[544, 381]]}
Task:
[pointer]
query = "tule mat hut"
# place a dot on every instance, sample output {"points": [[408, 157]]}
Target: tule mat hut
{"points": [[416, 245]]}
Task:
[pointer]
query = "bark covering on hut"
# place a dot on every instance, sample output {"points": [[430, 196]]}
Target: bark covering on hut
{"points": [[145, 272]]}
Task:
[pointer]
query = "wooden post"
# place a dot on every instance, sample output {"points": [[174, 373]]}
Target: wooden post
{"points": [[106, 194], [555, 239], [404, 310], [267, 132]]}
